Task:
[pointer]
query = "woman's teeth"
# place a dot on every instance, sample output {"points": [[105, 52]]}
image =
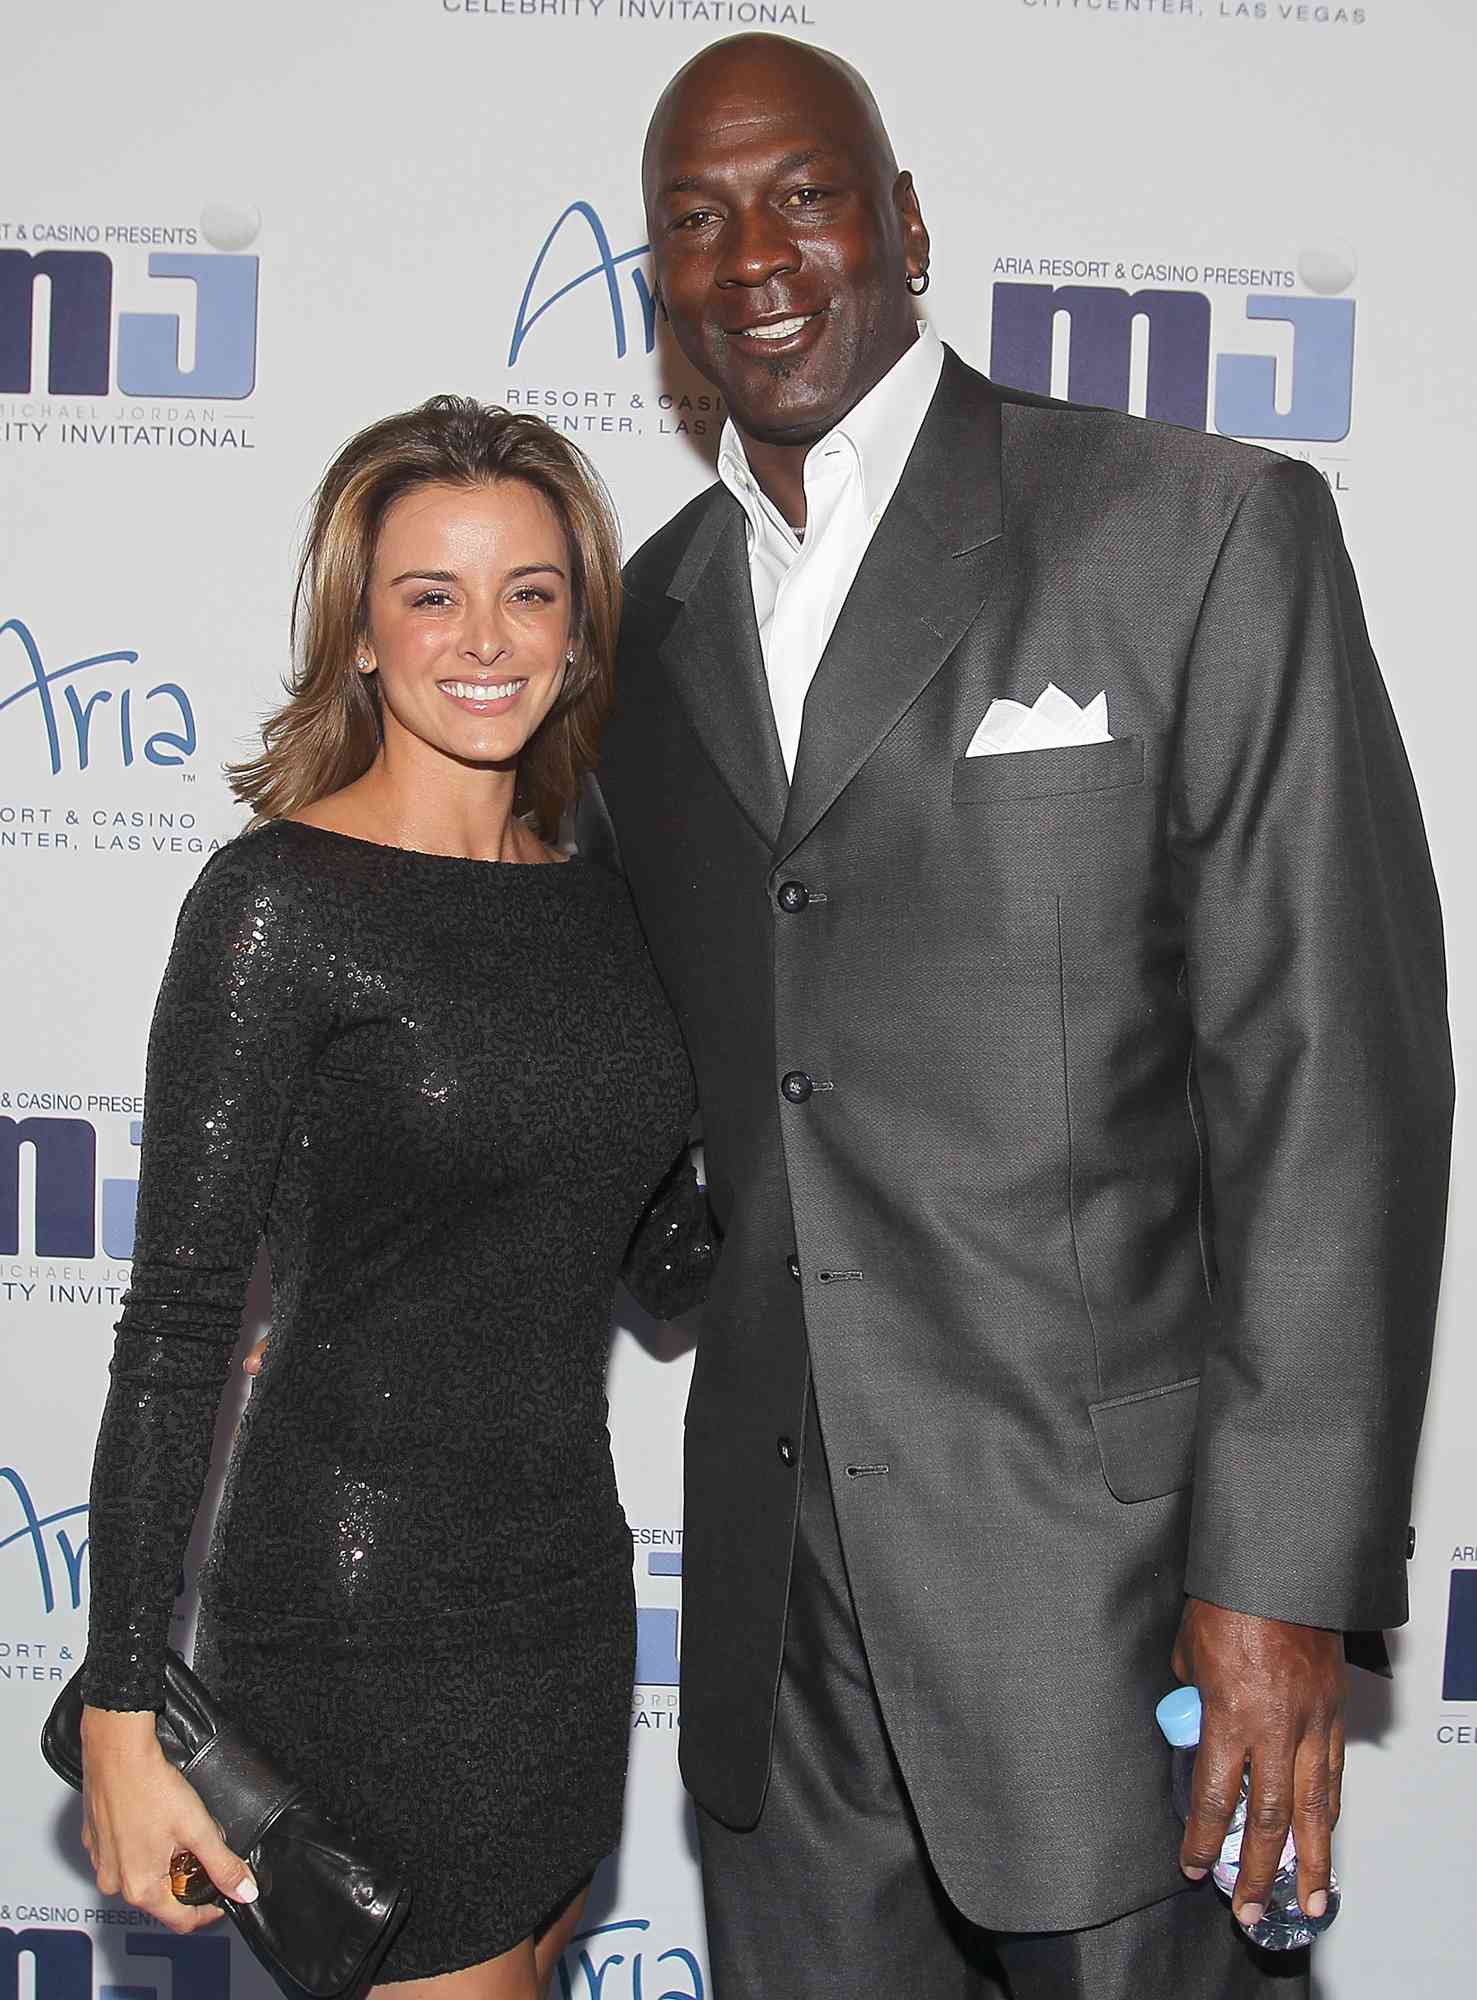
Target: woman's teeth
{"points": [[479, 690]]}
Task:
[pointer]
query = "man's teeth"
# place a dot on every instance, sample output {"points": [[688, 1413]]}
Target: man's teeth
{"points": [[479, 690], [779, 329]]}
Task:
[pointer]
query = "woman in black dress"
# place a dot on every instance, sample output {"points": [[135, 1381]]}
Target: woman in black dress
{"points": [[428, 1059]]}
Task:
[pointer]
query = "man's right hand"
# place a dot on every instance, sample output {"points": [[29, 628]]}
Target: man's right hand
{"points": [[138, 1812], [252, 1365]]}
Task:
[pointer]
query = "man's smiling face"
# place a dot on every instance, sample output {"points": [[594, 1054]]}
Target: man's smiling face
{"points": [[782, 234]]}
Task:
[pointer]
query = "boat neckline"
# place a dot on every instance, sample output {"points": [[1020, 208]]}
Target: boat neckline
{"points": [[423, 854]]}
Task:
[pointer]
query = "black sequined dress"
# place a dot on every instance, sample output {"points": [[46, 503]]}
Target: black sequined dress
{"points": [[447, 1092]]}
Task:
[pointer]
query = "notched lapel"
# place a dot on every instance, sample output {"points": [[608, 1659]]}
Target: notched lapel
{"points": [[918, 590], [712, 654]]}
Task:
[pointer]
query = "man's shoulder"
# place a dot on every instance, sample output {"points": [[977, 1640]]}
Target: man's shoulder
{"points": [[1047, 430], [648, 572]]}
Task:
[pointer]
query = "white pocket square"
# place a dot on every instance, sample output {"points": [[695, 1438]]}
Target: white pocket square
{"points": [[1052, 720]]}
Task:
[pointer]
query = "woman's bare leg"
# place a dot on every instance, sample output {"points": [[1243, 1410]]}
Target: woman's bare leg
{"points": [[512, 1975], [553, 1942], [520, 1974]]}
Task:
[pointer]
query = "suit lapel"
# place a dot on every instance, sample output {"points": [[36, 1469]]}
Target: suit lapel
{"points": [[712, 652], [919, 588]]}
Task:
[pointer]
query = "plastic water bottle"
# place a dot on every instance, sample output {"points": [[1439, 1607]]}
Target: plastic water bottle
{"points": [[1284, 1925]]}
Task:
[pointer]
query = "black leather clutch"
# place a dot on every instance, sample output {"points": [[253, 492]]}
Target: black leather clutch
{"points": [[325, 1912]]}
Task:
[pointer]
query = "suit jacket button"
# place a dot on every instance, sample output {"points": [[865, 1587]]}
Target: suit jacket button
{"points": [[1409, 1543], [796, 1086], [792, 1265], [792, 896], [786, 1449]]}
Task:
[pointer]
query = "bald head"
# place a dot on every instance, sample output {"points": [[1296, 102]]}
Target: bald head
{"points": [[746, 71], [782, 233]]}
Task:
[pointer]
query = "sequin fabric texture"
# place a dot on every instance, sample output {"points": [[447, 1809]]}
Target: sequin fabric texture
{"points": [[446, 1092]]}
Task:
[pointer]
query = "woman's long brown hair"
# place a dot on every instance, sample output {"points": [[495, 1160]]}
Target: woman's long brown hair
{"points": [[328, 731]]}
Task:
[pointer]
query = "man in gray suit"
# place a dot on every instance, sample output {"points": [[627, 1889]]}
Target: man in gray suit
{"points": [[1076, 1114]]}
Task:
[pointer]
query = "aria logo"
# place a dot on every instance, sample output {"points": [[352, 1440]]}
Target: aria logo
{"points": [[587, 1969], [607, 271], [57, 1543], [116, 723]]}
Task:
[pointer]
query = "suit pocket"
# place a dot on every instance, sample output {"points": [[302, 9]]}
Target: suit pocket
{"points": [[1147, 1441], [1040, 774]]}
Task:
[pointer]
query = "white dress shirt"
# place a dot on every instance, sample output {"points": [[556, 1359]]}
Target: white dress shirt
{"points": [[850, 476]]}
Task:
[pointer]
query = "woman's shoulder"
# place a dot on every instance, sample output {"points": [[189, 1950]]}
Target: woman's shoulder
{"points": [[264, 874]]}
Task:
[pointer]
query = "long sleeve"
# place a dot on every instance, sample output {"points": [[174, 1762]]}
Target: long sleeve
{"points": [[1323, 1070], [669, 1264], [240, 1017]]}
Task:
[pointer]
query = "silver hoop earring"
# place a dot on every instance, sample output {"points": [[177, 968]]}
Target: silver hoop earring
{"points": [[917, 283]]}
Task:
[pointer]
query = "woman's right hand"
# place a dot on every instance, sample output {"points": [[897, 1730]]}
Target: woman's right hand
{"points": [[138, 1812]]}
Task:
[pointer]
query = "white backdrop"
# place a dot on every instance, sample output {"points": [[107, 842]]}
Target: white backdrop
{"points": [[256, 228]]}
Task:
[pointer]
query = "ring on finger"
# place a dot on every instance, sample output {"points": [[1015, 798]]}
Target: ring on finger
{"points": [[188, 1881]]}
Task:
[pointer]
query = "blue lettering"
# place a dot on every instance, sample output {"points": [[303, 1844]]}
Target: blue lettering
{"points": [[80, 286], [592, 1977], [62, 1963], [1027, 319], [32, 1531], [656, 1646], [692, 1992], [1101, 317], [201, 1965], [73, 1560], [185, 744], [82, 720], [1322, 402], [1459, 1674], [225, 332], [164, 746], [81, 283], [65, 1152], [607, 268]]}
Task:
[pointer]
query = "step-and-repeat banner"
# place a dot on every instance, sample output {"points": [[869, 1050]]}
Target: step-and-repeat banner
{"points": [[231, 235]]}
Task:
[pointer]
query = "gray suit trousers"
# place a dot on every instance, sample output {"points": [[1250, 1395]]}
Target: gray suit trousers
{"points": [[833, 1893]]}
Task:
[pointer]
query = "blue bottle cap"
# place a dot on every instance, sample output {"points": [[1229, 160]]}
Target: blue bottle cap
{"points": [[1178, 1715]]}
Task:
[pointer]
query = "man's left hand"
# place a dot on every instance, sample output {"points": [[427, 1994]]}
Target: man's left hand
{"points": [[1272, 1695]]}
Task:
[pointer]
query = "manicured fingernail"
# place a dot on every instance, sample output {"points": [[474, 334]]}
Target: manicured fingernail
{"points": [[246, 1889], [1250, 1915], [1318, 1903]]}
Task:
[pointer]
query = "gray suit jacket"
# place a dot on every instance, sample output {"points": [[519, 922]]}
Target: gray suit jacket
{"points": [[1112, 1160]]}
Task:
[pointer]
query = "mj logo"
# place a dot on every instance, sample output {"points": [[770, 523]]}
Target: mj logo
{"points": [[656, 1629], [1459, 1679], [80, 287], [67, 1190], [1098, 320], [606, 271], [199, 1968]]}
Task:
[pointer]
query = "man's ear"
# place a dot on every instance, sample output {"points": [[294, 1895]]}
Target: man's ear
{"points": [[910, 216]]}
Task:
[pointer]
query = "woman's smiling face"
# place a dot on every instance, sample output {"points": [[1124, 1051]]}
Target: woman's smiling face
{"points": [[468, 615]]}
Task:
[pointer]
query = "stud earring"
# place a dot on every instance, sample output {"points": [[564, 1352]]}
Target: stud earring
{"points": [[364, 666], [917, 283], [569, 657]]}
